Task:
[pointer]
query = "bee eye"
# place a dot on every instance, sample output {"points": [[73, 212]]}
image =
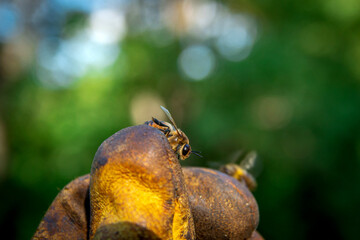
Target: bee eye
{"points": [[185, 150]]}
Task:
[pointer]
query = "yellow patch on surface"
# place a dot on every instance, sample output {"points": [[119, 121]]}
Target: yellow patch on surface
{"points": [[125, 196]]}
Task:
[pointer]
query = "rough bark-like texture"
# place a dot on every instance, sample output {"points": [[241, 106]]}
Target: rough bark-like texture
{"points": [[137, 188], [222, 207], [66, 217]]}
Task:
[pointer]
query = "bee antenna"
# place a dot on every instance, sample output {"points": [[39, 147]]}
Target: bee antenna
{"points": [[197, 153]]}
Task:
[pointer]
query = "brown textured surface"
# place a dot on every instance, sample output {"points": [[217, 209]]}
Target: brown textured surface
{"points": [[222, 207], [66, 217], [138, 192], [137, 183]]}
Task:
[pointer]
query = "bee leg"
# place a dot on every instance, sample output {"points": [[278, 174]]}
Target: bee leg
{"points": [[149, 123], [166, 131], [158, 122], [161, 126]]}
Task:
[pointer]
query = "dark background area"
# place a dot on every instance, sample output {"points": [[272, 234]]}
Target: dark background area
{"points": [[278, 77]]}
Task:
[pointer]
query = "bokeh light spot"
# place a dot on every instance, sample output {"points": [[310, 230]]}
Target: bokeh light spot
{"points": [[318, 39], [272, 112], [62, 62], [197, 62], [8, 22], [201, 16], [353, 58], [236, 38], [73, 5], [146, 105], [342, 10], [107, 26]]}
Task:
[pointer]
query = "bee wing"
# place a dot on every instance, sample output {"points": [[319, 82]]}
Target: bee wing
{"points": [[170, 117], [249, 160], [234, 157]]}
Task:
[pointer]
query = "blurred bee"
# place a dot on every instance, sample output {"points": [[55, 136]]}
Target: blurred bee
{"points": [[240, 171], [179, 142]]}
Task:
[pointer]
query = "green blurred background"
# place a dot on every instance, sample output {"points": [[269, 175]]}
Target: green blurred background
{"points": [[278, 77]]}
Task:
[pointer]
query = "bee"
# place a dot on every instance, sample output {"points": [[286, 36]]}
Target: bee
{"points": [[240, 171], [179, 142]]}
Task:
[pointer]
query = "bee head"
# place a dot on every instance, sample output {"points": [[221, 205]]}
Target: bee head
{"points": [[184, 151]]}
